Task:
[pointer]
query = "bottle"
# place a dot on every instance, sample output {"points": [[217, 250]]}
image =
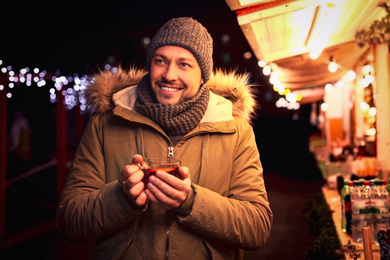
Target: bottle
{"points": [[388, 185], [345, 197], [361, 209], [348, 209], [388, 194], [379, 206]]}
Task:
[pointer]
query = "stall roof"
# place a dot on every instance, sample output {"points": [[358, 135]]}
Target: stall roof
{"points": [[285, 33]]}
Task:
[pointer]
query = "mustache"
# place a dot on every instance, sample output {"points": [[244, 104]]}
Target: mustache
{"points": [[174, 84]]}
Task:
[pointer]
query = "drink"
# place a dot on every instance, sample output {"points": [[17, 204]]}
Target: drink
{"points": [[361, 209], [149, 172], [346, 209], [151, 166], [379, 206], [171, 170]]}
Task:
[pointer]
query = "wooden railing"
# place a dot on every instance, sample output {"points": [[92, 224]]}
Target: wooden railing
{"points": [[60, 162]]}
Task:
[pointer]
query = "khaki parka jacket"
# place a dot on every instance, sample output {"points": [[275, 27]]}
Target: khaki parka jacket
{"points": [[229, 211]]}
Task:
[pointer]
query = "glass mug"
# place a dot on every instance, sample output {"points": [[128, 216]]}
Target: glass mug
{"points": [[151, 165]]}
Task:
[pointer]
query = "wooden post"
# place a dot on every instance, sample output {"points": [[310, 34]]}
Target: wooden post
{"points": [[62, 144], [3, 151], [79, 124], [367, 243], [382, 100]]}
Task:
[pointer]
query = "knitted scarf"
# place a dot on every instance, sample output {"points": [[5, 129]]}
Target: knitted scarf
{"points": [[175, 120]]}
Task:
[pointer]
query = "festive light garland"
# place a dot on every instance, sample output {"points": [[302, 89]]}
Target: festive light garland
{"points": [[288, 99], [71, 87], [379, 31]]}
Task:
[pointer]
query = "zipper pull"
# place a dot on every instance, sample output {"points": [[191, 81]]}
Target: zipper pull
{"points": [[170, 152]]}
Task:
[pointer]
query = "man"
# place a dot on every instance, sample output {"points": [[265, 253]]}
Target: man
{"points": [[216, 207]]}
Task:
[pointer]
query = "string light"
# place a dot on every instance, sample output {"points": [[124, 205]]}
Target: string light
{"points": [[290, 100], [71, 87], [364, 107], [372, 111], [261, 63], [324, 107], [367, 80], [351, 74], [333, 66], [282, 102], [267, 70], [328, 87]]}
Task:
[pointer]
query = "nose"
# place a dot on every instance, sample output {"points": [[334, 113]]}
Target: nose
{"points": [[170, 73]]}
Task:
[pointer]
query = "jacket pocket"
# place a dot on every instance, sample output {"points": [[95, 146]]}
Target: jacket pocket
{"points": [[115, 246], [126, 249], [131, 251], [220, 252], [200, 252]]}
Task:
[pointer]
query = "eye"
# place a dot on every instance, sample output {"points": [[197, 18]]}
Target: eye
{"points": [[159, 61], [186, 65]]}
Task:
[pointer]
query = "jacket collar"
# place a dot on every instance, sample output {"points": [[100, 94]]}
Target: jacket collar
{"points": [[219, 108]]}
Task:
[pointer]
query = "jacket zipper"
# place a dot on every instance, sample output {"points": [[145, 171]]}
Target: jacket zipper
{"points": [[167, 233], [168, 227], [170, 152]]}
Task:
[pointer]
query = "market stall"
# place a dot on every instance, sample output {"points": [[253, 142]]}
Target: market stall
{"points": [[333, 54]]}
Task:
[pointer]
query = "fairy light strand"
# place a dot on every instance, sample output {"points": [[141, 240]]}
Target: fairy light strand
{"points": [[71, 87]]}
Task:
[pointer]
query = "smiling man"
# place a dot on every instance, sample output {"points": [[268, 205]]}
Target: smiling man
{"points": [[216, 206]]}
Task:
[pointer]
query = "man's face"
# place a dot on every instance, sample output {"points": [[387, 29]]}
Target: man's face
{"points": [[175, 75]]}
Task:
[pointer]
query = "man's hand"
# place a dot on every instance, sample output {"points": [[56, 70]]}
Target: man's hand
{"points": [[131, 181], [168, 191]]}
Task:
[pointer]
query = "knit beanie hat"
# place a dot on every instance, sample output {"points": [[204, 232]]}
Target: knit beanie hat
{"points": [[187, 33]]}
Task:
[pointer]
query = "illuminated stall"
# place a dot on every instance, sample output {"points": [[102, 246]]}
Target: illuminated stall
{"points": [[314, 52]]}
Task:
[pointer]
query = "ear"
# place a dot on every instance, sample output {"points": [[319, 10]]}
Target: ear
{"points": [[201, 81]]}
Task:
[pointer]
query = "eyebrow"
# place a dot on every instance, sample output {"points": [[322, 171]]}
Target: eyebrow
{"points": [[182, 59]]}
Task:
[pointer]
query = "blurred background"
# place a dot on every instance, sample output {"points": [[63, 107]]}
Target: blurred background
{"points": [[64, 43]]}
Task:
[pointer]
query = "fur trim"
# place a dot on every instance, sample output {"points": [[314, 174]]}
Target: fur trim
{"points": [[236, 88], [105, 84], [230, 85]]}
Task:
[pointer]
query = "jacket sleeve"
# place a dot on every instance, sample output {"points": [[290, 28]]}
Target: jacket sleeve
{"points": [[90, 208], [242, 219]]}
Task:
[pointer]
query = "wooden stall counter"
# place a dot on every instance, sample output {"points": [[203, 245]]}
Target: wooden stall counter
{"points": [[333, 199]]}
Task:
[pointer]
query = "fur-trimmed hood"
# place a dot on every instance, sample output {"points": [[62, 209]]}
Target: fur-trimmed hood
{"points": [[230, 85]]}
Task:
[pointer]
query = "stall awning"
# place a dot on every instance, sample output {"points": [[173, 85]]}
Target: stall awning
{"points": [[286, 33]]}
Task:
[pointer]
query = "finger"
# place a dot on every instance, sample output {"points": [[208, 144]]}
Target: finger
{"points": [[142, 199], [160, 198], [134, 178], [184, 173], [127, 171], [137, 159], [150, 195], [136, 190], [166, 177], [167, 193], [165, 181]]}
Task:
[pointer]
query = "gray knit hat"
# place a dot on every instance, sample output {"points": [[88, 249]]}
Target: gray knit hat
{"points": [[187, 33]]}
